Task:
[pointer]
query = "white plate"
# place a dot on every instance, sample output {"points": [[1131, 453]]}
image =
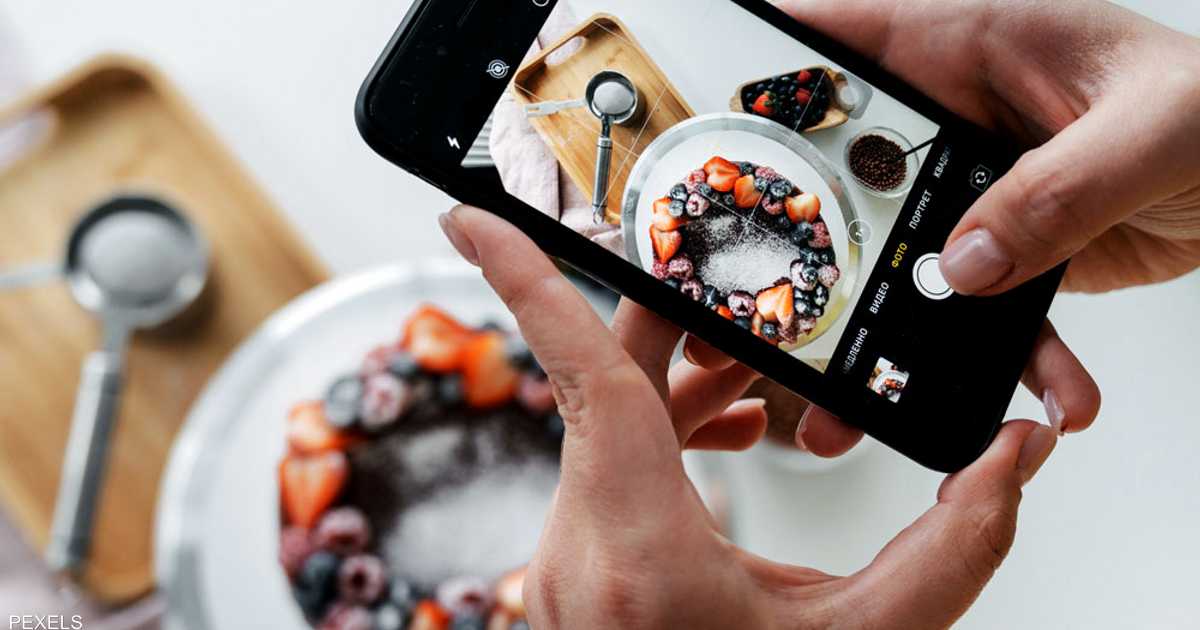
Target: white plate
{"points": [[218, 517]]}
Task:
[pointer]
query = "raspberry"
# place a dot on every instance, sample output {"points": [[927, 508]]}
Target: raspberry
{"points": [[773, 207], [820, 238], [681, 267], [697, 205], [385, 399], [767, 173], [377, 360], [803, 275], [344, 617], [806, 325], [344, 531], [361, 579], [693, 288], [464, 596], [659, 270], [742, 304], [536, 394], [828, 275], [295, 546], [695, 178], [789, 334]]}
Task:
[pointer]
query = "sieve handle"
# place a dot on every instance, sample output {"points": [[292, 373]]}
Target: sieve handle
{"points": [[29, 275], [83, 462], [600, 188]]}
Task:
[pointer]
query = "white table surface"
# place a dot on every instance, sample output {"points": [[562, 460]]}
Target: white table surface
{"points": [[1109, 531]]}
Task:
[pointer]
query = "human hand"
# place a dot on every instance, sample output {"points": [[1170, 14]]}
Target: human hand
{"points": [[628, 542], [1106, 96]]}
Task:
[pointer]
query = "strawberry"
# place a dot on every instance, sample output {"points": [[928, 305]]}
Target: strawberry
{"points": [[804, 76], [310, 484], [489, 378], [804, 207], [776, 305], [661, 216], [725, 312], [764, 105], [509, 592], [309, 432], [722, 174], [665, 243], [429, 616], [803, 96], [435, 339], [745, 195], [756, 324]]}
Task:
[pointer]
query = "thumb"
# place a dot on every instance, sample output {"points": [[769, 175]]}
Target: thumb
{"points": [[602, 394], [1056, 199], [932, 572]]}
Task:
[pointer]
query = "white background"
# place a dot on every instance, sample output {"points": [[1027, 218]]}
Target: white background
{"points": [[1109, 530]]}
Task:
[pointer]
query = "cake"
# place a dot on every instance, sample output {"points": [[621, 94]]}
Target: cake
{"points": [[747, 243], [442, 407]]}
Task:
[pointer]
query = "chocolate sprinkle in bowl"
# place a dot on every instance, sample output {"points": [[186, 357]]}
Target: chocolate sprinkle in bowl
{"points": [[875, 159]]}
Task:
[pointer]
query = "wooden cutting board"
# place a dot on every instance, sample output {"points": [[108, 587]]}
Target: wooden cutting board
{"points": [[604, 44], [116, 126]]}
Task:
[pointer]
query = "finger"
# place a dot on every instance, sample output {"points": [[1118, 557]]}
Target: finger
{"points": [[1055, 200], [698, 395], [604, 397], [701, 354], [1059, 380], [823, 434], [649, 339], [741, 426], [932, 572]]}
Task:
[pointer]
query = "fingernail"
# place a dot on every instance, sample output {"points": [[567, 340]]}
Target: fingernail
{"points": [[1037, 447], [1055, 414], [800, 428], [458, 239], [749, 403], [975, 262], [687, 353]]}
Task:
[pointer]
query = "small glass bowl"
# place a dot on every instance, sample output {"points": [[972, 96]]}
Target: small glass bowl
{"points": [[912, 161]]}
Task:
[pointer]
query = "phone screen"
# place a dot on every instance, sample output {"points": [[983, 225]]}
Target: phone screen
{"points": [[747, 171]]}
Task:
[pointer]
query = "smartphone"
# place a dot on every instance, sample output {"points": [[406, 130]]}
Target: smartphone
{"points": [[771, 191]]}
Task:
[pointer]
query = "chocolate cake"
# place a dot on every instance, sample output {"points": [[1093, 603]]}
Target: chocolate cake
{"points": [[445, 409], [747, 243]]}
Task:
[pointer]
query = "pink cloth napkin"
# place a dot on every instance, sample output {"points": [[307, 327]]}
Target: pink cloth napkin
{"points": [[528, 167]]}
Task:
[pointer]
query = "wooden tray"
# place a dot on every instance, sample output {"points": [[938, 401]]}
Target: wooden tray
{"points": [[571, 135], [117, 125], [834, 116]]}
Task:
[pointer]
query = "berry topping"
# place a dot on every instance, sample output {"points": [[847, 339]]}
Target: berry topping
{"points": [[361, 579], [674, 283], [309, 431], [767, 173], [803, 77], [804, 275], [348, 617], [681, 267], [310, 484], [770, 331], [403, 366], [435, 339], [722, 174], [680, 192], [316, 583], [773, 206], [665, 243], [745, 195], [468, 622], [489, 379], [676, 209], [820, 296], [780, 189], [390, 617], [663, 218], [711, 297], [744, 322], [746, 168], [465, 596], [295, 546], [806, 325], [450, 390], [775, 304], [764, 104], [741, 303], [344, 531], [385, 399], [697, 177], [536, 394], [804, 207], [660, 270], [821, 238], [692, 288], [429, 616], [377, 359], [803, 96], [828, 275], [725, 311], [697, 205]]}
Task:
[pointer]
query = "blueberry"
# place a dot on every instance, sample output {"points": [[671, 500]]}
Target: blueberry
{"points": [[761, 184], [708, 192], [797, 237], [468, 622], [761, 87], [770, 331], [679, 192], [809, 274], [402, 595], [821, 295], [317, 583], [677, 208], [783, 223], [817, 311], [712, 297], [746, 168], [808, 256], [555, 427], [312, 601], [826, 256], [403, 366], [781, 188], [674, 283], [803, 307], [728, 200], [343, 401], [450, 389], [390, 617], [744, 322]]}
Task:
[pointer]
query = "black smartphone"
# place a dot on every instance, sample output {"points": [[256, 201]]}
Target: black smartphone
{"points": [[771, 191]]}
